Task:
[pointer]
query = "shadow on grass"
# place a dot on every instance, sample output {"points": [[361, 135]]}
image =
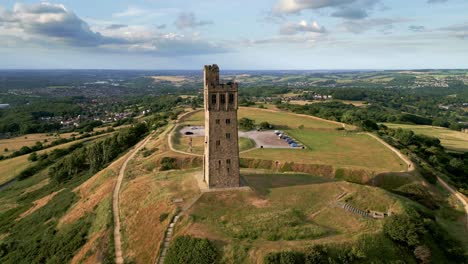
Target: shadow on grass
{"points": [[263, 183]]}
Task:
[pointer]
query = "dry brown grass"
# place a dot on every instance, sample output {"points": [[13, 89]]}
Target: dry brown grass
{"points": [[87, 247], [172, 79], [92, 192], [146, 195], [39, 203]]}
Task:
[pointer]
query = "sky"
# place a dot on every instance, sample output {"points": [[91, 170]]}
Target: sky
{"points": [[235, 34]]}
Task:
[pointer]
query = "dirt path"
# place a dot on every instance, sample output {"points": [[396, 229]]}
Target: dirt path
{"points": [[458, 195], [115, 201], [171, 132], [409, 163], [446, 186]]}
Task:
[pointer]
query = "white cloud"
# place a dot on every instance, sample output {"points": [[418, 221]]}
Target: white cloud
{"points": [[296, 6], [51, 25], [291, 28]]}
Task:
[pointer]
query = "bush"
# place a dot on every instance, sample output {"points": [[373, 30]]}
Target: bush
{"points": [[427, 174], [246, 124], [284, 257], [163, 217], [265, 125], [403, 229], [33, 157], [316, 254], [168, 163], [190, 250]]}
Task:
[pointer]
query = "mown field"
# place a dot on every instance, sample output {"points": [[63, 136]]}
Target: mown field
{"points": [[325, 142], [450, 139]]}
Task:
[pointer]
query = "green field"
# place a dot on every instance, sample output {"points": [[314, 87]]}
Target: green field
{"points": [[325, 144], [284, 211], [337, 148], [182, 144], [450, 139]]}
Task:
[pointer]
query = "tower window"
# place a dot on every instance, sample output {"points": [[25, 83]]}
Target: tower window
{"points": [[228, 121], [217, 121], [213, 98], [218, 142], [219, 164], [231, 98], [228, 162], [228, 135], [223, 98]]}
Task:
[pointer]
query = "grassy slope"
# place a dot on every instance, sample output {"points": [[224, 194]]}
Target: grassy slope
{"points": [[147, 195], [452, 140], [286, 211]]}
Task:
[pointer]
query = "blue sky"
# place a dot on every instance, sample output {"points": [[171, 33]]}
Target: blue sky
{"points": [[241, 34]]}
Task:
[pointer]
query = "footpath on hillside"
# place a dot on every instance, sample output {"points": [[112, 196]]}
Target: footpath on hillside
{"points": [[115, 200]]}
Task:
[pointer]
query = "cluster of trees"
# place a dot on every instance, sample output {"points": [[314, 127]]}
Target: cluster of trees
{"points": [[93, 158], [39, 145], [314, 255], [418, 232], [191, 250], [429, 155], [248, 124], [46, 159]]}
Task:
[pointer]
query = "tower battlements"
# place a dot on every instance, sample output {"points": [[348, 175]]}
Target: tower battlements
{"points": [[212, 81]]}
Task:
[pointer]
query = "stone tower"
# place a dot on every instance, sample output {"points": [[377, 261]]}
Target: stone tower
{"points": [[221, 158]]}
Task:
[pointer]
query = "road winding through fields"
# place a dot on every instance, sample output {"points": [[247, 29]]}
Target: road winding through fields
{"points": [[115, 200]]}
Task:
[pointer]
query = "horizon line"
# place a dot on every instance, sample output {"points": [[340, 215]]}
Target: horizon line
{"points": [[228, 69]]}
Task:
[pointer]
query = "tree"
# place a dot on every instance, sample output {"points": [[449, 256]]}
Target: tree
{"points": [[403, 229], [33, 157], [265, 125], [246, 124]]}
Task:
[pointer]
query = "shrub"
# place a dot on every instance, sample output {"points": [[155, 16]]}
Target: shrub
{"points": [[265, 125], [33, 157], [403, 229], [284, 257], [191, 250], [246, 124], [168, 163], [427, 174], [163, 217], [316, 254]]}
